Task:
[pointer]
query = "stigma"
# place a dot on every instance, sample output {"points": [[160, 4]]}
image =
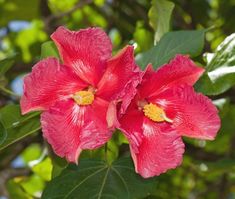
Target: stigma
{"points": [[84, 97], [155, 113]]}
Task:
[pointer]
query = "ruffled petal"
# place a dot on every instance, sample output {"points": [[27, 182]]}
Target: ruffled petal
{"points": [[155, 147], [48, 82], [121, 78], [180, 70], [86, 51], [70, 128], [193, 114]]}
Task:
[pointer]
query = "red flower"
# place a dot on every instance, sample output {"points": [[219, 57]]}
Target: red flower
{"points": [[165, 108], [78, 98]]}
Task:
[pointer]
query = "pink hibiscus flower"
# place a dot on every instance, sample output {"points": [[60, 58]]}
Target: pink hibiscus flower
{"points": [[165, 108], [78, 98]]}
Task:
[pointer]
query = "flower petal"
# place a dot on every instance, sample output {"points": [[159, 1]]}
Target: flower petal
{"points": [[180, 70], [193, 114], [70, 128], [86, 51], [121, 78], [155, 147], [49, 82]]}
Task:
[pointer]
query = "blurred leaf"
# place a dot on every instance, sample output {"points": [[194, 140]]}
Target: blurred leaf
{"points": [[220, 69], [44, 169], [18, 10], [143, 37], [159, 17], [16, 125], [48, 49], [223, 106], [99, 3], [27, 39], [115, 37], [31, 153], [61, 6], [33, 185], [96, 179], [15, 191], [172, 43], [6, 64], [222, 165], [94, 17], [225, 133]]}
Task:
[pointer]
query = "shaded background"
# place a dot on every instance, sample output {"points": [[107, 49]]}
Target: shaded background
{"points": [[208, 170]]}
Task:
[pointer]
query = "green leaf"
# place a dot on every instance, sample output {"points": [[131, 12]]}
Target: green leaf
{"points": [[142, 37], [31, 153], [48, 49], [6, 64], [223, 105], [159, 17], [44, 169], [18, 10], [16, 125], [16, 191], [58, 163], [96, 179], [32, 185], [172, 43], [3, 133], [109, 152], [220, 69]]}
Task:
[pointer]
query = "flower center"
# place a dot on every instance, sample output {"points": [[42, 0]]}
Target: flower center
{"points": [[84, 97], [155, 113]]}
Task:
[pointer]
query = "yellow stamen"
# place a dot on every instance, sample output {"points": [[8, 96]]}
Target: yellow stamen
{"points": [[84, 97], [155, 113]]}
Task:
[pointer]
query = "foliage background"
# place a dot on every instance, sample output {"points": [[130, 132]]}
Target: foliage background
{"points": [[208, 169]]}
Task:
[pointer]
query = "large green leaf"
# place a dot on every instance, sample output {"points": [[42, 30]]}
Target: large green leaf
{"points": [[17, 126], [48, 49], [3, 133], [220, 69], [96, 179], [159, 17], [172, 43]]}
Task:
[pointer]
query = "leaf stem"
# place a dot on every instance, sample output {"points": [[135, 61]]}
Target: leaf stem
{"points": [[9, 92], [106, 152]]}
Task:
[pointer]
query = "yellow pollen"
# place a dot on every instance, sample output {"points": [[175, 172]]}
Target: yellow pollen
{"points": [[155, 113], [84, 97]]}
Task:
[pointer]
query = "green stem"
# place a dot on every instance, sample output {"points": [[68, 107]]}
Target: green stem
{"points": [[106, 152], [9, 92]]}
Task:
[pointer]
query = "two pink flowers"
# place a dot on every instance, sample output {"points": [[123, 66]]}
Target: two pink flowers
{"points": [[92, 93]]}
